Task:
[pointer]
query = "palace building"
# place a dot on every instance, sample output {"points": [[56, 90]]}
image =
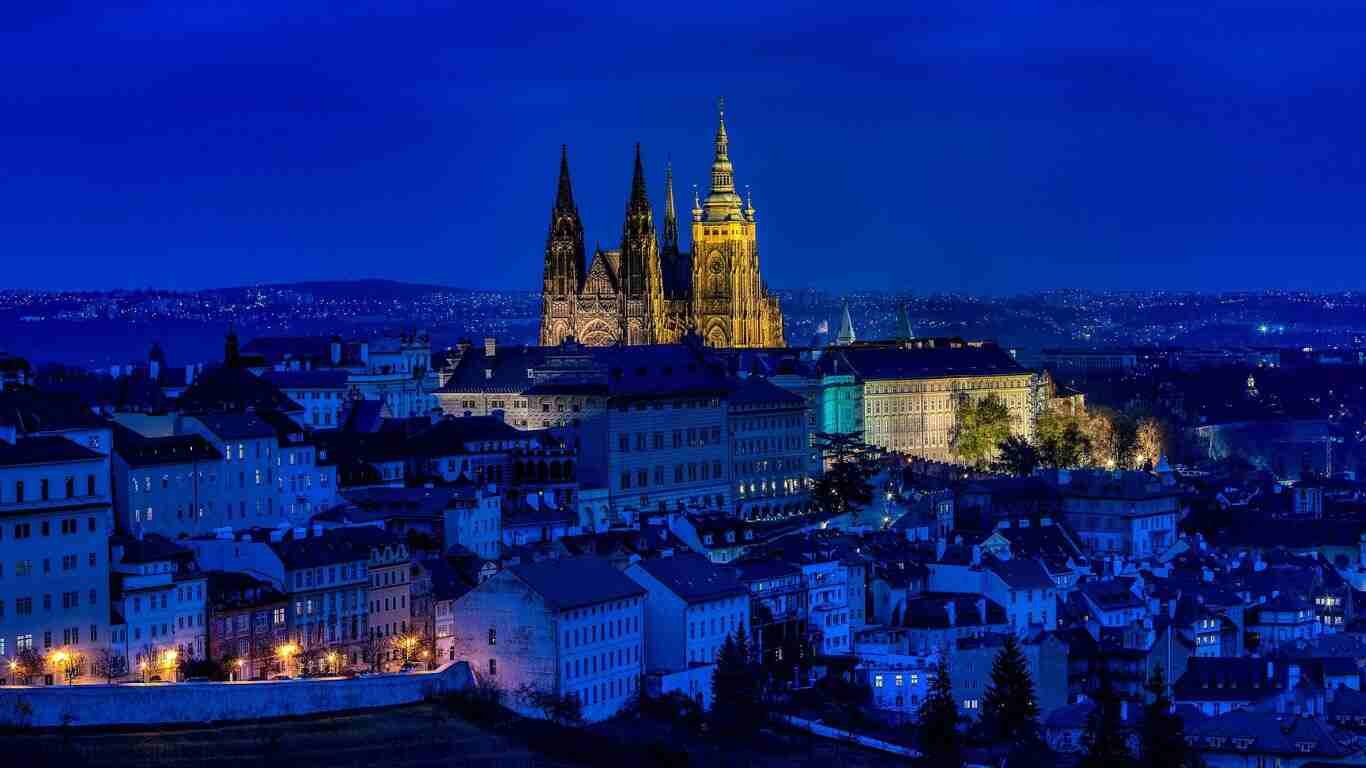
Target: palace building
{"points": [[649, 291]]}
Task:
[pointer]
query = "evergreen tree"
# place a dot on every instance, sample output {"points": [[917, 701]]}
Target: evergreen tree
{"points": [[1010, 710], [1104, 736], [1163, 734], [938, 716], [1017, 456], [735, 704]]}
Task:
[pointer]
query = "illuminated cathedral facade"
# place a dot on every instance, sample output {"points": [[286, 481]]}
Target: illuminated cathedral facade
{"points": [[649, 291]]}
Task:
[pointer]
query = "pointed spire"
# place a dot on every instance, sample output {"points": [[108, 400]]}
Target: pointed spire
{"points": [[638, 180], [846, 334], [670, 244], [722, 203], [564, 193], [904, 330]]}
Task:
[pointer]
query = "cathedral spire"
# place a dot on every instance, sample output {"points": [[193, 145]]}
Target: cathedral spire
{"points": [[670, 244], [564, 260], [564, 193], [846, 334], [722, 203], [638, 194]]}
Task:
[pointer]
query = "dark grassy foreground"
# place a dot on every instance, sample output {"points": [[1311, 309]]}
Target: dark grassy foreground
{"points": [[428, 734]]}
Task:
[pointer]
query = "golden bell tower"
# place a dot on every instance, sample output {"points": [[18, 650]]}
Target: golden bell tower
{"points": [[731, 305]]}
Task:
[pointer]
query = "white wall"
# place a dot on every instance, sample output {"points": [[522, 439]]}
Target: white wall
{"points": [[198, 703]]}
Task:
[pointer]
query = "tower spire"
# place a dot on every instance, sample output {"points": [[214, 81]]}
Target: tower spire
{"points": [[670, 244], [846, 334], [564, 260], [564, 193], [722, 202], [638, 180]]}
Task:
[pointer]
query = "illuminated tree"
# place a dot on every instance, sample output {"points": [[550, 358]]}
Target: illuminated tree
{"points": [[66, 663], [26, 665], [979, 426], [1060, 439], [1149, 442]]}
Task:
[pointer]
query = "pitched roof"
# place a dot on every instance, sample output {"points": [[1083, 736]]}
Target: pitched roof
{"points": [[1020, 573], [318, 378], [29, 410], [233, 426], [233, 389], [151, 548], [43, 449], [930, 361], [754, 390], [337, 545], [1249, 731], [693, 577], [573, 582], [138, 450]]}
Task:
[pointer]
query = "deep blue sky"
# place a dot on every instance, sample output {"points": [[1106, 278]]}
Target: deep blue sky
{"points": [[992, 147]]}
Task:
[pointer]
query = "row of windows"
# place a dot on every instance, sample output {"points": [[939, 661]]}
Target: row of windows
{"points": [[607, 630], [24, 568], [768, 444], [23, 606], [24, 493], [600, 662], [309, 577], [68, 526], [692, 437], [693, 471]]}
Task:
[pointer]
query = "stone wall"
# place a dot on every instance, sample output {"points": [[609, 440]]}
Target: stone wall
{"points": [[155, 704]]}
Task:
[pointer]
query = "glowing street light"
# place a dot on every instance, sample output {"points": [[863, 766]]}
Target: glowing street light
{"points": [[284, 652]]}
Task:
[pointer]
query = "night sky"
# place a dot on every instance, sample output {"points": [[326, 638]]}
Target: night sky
{"points": [[992, 148]]}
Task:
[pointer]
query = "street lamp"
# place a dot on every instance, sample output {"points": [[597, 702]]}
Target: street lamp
{"points": [[142, 667], [284, 652], [168, 660], [332, 662], [237, 675]]}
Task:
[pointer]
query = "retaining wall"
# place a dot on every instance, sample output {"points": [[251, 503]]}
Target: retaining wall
{"points": [[154, 704]]}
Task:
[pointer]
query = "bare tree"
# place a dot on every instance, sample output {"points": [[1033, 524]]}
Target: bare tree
{"points": [[109, 664], [27, 665], [564, 710], [372, 651]]}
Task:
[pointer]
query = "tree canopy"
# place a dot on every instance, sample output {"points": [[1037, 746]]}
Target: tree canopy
{"points": [[980, 426]]}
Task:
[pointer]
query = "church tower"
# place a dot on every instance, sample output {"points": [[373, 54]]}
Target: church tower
{"points": [[731, 306], [641, 276], [564, 267]]}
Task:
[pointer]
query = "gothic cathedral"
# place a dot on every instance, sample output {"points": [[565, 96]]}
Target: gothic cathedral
{"points": [[650, 292]]}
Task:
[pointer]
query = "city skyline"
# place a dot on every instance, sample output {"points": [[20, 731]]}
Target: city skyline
{"points": [[993, 155]]}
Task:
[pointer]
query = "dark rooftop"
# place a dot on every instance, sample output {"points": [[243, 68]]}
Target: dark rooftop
{"points": [[575, 582]]}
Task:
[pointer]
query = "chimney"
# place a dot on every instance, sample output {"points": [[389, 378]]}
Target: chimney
{"points": [[490, 346], [976, 555], [334, 350], [939, 546], [189, 375], [951, 608], [365, 353], [982, 610], [154, 369], [1123, 710]]}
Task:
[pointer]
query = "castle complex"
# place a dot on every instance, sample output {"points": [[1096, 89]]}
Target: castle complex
{"points": [[649, 291]]}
